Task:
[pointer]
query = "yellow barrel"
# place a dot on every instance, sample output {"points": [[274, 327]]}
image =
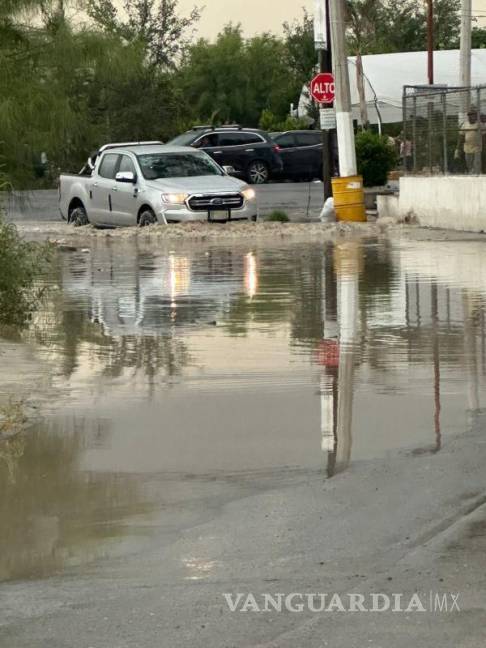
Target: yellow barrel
{"points": [[349, 201]]}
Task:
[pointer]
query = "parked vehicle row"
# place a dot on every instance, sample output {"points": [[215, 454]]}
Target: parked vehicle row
{"points": [[258, 156]]}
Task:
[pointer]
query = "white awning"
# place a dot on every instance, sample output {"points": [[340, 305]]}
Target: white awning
{"points": [[386, 74]]}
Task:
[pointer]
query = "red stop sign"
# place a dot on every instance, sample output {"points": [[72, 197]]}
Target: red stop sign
{"points": [[322, 88]]}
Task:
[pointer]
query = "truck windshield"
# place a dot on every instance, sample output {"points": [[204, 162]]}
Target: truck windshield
{"points": [[177, 165]]}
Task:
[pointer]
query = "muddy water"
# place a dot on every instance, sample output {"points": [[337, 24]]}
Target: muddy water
{"points": [[174, 380]]}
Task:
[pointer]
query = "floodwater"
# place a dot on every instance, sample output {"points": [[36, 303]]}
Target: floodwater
{"points": [[171, 381]]}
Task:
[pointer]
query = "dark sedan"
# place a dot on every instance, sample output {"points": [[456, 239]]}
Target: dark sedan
{"points": [[301, 153]]}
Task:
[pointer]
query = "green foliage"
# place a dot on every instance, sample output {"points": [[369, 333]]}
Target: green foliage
{"points": [[234, 79], [154, 24], [21, 264], [64, 90], [479, 38], [383, 26], [272, 123], [376, 158], [278, 216], [389, 26], [300, 49], [12, 418]]}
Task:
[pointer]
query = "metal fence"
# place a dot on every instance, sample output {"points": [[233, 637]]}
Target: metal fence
{"points": [[444, 130]]}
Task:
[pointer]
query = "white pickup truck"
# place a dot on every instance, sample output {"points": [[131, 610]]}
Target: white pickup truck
{"points": [[148, 183]]}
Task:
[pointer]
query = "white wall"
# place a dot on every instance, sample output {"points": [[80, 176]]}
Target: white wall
{"points": [[449, 202]]}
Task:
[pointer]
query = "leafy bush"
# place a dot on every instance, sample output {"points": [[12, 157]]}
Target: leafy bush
{"points": [[271, 123], [278, 216], [376, 158], [21, 264]]}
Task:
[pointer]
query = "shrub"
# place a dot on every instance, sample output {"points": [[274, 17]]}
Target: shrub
{"points": [[271, 123], [278, 216], [376, 158], [21, 264]]}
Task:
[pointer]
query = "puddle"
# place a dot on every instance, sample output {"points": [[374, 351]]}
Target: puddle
{"points": [[179, 377]]}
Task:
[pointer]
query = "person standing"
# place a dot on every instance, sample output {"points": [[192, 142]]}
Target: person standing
{"points": [[471, 134], [406, 153]]}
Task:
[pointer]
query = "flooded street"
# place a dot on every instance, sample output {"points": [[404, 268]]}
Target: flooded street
{"points": [[187, 395]]}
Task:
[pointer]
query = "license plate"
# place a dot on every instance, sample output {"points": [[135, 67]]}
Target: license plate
{"points": [[218, 215]]}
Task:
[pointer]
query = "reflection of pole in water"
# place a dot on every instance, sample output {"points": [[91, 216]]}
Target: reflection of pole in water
{"points": [[328, 359], [347, 263], [436, 354], [251, 275], [348, 326], [470, 352]]}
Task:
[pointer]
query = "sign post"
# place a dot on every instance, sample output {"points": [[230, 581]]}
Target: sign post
{"points": [[322, 39], [322, 90]]}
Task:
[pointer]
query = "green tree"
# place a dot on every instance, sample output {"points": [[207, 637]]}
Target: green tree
{"points": [[301, 55], [66, 89], [234, 79], [402, 26], [363, 17], [479, 38], [156, 24]]}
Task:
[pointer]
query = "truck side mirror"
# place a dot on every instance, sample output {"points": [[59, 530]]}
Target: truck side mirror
{"points": [[126, 176]]}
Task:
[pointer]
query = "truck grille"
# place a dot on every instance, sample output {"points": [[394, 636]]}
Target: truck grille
{"points": [[213, 202]]}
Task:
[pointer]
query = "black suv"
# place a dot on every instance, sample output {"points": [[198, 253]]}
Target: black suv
{"points": [[250, 151]]}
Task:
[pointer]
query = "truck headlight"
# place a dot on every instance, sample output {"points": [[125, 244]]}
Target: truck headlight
{"points": [[249, 193], [175, 199]]}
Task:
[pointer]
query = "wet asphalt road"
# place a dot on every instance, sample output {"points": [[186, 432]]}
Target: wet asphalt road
{"points": [[301, 201]]}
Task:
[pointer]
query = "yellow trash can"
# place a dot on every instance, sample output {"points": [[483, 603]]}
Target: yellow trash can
{"points": [[349, 203]]}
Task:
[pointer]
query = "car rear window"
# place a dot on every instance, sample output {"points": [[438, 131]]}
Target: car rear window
{"points": [[308, 139], [108, 166]]}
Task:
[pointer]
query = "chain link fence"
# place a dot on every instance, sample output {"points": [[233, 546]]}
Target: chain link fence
{"points": [[444, 130]]}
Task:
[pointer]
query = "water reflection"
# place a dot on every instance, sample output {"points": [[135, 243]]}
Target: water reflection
{"points": [[53, 514], [197, 363]]}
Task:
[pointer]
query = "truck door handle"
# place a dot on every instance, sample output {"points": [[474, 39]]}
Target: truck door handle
{"points": [[114, 188], [95, 184]]}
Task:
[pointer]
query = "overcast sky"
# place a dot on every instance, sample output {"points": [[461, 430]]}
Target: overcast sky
{"points": [[258, 15], [254, 15], [262, 15]]}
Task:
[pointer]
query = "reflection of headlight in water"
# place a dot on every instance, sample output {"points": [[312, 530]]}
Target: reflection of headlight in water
{"points": [[179, 277], [251, 275]]}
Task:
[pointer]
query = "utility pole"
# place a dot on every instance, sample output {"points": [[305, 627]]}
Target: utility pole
{"points": [[430, 41], [344, 116], [466, 43], [323, 45]]}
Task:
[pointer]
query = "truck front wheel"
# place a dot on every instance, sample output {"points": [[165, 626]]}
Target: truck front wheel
{"points": [[146, 218], [79, 217]]}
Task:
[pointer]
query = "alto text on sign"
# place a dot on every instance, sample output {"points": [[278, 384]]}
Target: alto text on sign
{"points": [[322, 88]]}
